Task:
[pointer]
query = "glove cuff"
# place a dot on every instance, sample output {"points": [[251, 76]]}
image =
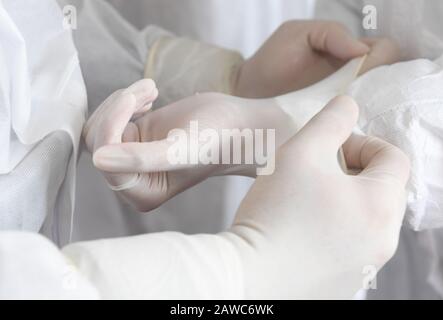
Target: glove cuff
{"points": [[182, 67]]}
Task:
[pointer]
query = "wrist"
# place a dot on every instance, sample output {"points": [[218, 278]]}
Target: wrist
{"points": [[243, 84]]}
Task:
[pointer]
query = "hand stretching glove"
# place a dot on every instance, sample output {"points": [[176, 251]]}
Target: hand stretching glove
{"points": [[140, 169], [309, 230], [300, 53], [152, 178]]}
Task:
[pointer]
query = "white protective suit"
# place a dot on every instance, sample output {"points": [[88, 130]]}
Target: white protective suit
{"points": [[240, 26], [200, 266], [42, 108], [44, 77], [416, 271]]}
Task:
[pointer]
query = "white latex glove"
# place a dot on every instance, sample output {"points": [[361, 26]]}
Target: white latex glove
{"points": [[309, 230], [301, 53], [145, 147], [305, 232]]}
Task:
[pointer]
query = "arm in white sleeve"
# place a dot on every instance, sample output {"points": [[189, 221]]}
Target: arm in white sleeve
{"points": [[31, 267], [161, 266], [155, 266], [348, 12]]}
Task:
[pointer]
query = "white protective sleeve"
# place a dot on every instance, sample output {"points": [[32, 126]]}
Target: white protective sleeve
{"points": [[155, 266], [31, 267], [402, 104]]}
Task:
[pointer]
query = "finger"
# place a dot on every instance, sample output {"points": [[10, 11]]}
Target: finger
{"points": [[330, 128], [145, 93], [131, 134], [143, 110], [335, 39], [92, 119], [378, 159], [110, 126], [142, 157], [383, 52]]}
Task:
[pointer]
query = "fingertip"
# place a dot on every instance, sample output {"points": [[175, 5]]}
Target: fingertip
{"points": [[352, 49], [342, 44], [96, 160], [145, 92], [148, 82], [154, 94], [360, 48]]}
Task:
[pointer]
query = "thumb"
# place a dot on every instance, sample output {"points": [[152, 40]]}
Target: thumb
{"points": [[335, 39], [377, 159], [328, 130]]}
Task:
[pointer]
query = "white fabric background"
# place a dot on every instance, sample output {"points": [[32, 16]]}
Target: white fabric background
{"points": [[241, 25]]}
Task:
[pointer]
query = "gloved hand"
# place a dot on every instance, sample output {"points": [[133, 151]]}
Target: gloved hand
{"points": [[305, 232], [141, 171], [309, 230], [301, 53]]}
